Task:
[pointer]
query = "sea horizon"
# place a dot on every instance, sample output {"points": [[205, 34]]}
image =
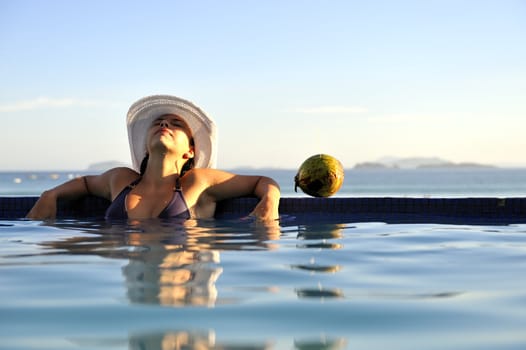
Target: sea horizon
{"points": [[383, 182]]}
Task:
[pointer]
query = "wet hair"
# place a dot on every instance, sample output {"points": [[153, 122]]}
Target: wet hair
{"points": [[144, 163], [187, 166]]}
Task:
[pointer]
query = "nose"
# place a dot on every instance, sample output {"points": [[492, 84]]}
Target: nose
{"points": [[163, 124]]}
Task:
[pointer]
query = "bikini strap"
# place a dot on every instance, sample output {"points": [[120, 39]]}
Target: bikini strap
{"points": [[178, 184]]}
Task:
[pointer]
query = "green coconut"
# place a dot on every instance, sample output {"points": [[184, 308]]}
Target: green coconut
{"points": [[319, 176]]}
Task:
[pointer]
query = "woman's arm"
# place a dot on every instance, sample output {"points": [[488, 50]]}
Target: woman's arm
{"points": [[224, 185], [97, 185], [268, 192]]}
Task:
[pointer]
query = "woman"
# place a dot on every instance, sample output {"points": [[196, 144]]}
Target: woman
{"points": [[172, 143]]}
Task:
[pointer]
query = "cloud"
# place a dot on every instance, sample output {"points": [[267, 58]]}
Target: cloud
{"points": [[332, 110], [44, 102]]}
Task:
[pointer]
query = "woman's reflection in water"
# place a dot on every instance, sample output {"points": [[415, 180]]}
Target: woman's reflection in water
{"points": [[172, 277], [178, 265], [181, 268], [206, 340], [191, 340], [169, 263]]}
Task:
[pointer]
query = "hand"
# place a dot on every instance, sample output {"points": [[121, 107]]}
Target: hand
{"points": [[44, 208], [267, 228], [267, 209]]}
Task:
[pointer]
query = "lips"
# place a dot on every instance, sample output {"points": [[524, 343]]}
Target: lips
{"points": [[163, 131]]}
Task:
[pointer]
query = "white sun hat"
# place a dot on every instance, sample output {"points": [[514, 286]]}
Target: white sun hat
{"points": [[143, 112]]}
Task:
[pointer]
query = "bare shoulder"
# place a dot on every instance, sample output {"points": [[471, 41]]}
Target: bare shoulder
{"points": [[118, 178], [124, 174], [198, 181], [118, 173], [200, 174], [122, 171], [208, 174]]}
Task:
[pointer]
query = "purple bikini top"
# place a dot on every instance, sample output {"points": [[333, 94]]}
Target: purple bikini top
{"points": [[177, 207]]}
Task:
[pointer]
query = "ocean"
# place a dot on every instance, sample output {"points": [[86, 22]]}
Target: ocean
{"points": [[442, 182]]}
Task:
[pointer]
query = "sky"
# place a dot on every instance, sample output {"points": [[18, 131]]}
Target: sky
{"points": [[283, 79]]}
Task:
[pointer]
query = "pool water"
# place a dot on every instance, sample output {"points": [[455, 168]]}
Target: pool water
{"points": [[241, 285]]}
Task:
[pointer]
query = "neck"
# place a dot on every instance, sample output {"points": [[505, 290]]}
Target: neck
{"points": [[162, 169]]}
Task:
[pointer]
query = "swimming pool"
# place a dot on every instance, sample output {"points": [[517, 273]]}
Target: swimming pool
{"points": [[233, 284]]}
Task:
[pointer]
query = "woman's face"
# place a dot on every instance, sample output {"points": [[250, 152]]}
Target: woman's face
{"points": [[170, 132]]}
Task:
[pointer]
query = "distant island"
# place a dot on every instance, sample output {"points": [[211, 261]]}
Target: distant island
{"points": [[417, 163]]}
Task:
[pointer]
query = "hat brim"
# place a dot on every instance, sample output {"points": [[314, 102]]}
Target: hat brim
{"points": [[143, 112]]}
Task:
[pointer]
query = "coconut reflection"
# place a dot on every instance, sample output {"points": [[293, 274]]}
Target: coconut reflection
{"points": [[318, 237], [321, 231]]}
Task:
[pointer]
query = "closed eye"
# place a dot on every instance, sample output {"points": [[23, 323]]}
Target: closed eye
{"points": [[173, 122], [177, 123]]}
